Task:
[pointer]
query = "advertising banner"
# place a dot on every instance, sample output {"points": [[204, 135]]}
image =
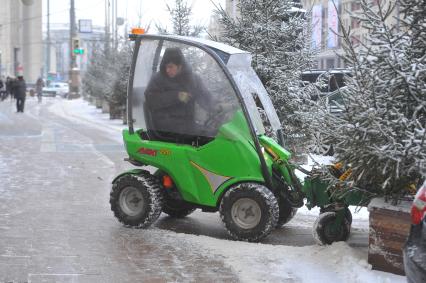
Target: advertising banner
{"points": [[316, 26], [333, 24]]}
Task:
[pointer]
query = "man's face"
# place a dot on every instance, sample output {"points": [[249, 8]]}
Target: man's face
{"points": [[172, 70]]}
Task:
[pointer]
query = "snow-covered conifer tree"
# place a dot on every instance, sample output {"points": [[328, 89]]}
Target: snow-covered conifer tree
{"points": [[381, 134], [107, 74], [180, 15], [276, 34]]}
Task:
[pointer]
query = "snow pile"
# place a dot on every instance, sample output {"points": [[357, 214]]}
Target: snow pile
{"points": [[275, 263]]}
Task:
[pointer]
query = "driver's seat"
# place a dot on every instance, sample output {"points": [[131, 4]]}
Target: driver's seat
{"points": [[154, 135]]}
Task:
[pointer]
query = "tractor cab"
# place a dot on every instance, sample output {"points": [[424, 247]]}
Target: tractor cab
{"points": [[193, 115], [214, 84]]}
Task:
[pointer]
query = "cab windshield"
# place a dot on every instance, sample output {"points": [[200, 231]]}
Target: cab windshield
{"points": [[180, 92], [253, 92]]}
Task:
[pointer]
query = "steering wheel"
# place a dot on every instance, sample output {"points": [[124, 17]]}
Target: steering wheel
{"points": [[215, 118]]}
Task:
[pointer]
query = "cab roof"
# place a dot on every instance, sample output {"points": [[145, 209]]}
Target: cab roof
{"points": [[222, 50]]}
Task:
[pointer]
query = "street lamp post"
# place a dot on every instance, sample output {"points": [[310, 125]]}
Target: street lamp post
{"points": [[74, 73], [48, 39]]}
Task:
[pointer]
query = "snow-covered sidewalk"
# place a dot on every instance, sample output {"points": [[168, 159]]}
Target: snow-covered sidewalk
{"points": [[254, 262]]}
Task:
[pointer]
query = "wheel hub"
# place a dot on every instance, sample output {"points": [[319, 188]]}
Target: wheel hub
{"points": [[332, 231], [246, 213], [131, 201]]}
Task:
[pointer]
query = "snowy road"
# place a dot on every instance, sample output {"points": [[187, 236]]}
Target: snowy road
{"points": [[56, 164]]}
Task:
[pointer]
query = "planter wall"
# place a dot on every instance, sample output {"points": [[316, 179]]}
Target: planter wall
{"points": [[91, 100], [115, 111], [105, 106], [124, 117], [98, 102], [389, 229]]}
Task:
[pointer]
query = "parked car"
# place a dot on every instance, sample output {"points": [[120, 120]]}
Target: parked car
{"points": [[56, 88], [415, 248]]}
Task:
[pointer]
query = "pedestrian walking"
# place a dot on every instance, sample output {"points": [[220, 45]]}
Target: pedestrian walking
{"points": [[2, 90], [39, 88], [20, 91], [9, 83]]}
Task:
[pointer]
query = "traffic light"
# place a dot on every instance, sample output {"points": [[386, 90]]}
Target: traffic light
{"points": [[76, 46], [78, 51]]}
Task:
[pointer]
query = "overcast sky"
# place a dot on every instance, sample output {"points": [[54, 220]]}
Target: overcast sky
{"points": [[135, 11]]}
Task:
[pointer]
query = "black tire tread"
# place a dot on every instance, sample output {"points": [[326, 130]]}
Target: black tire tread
{"points": [[319, 226], [155, 191], [177, 213], [269, 198], [286, 212]]}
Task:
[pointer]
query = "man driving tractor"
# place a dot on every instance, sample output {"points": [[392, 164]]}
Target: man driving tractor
{"points": [[171, 96]]}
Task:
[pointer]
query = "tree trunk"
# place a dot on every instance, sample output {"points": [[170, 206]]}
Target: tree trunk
{"points": [[115, 111]]}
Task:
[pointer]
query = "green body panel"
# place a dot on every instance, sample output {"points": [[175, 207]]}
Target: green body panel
{"points": [[317, 194], [276, 148], [201, 174]]}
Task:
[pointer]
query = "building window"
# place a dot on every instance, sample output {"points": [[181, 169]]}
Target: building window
{"points": [[330, 63]]}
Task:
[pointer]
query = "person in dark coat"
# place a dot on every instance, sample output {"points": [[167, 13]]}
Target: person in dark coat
{"points": [[39, 88], [171, 96], [2, 91], [20, 91], [9, 87]]}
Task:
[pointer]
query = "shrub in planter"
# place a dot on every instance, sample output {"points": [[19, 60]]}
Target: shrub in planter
{"points": [[381, 133], [279, 42]]}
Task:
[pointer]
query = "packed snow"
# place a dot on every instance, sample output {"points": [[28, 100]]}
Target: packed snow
{"points": [[256, 262]]}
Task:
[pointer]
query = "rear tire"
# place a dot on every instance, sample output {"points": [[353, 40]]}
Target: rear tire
{"points": [[324, 231], [137, 200], [287, 212], [177, 209], [249, 211]]}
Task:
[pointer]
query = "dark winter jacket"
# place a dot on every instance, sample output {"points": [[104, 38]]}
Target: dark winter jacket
{"points": [[167, 112], [9, 83], [19, 88]]}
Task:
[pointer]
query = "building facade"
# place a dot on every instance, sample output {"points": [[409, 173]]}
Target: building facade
{"points": [[232, 8], [21, 44], [60, 50], [325, 25]]}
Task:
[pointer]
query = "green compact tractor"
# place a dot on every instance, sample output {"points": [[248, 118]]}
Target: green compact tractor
{"points": [[196, 133]]}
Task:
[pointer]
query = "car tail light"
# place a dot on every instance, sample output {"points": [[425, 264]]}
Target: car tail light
{"points": [[418, 209]]}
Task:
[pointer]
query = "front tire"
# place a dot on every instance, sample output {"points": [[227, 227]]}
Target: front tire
{"points": [[137, 200], [348, 213], [249, 211], [177, 209], [326, 231]]}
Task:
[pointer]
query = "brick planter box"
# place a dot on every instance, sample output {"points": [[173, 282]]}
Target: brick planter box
{"points": [[115, 111], [389, 229]]}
